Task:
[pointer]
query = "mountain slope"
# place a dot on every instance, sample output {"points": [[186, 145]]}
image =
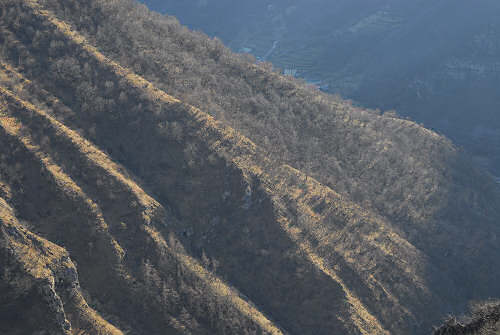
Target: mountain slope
{"points": [[400, 170], [180, 224], [40, 284], [483, 320], [103, 173], [436, 62]]}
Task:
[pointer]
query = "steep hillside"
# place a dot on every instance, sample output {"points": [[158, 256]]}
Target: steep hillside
{"points": [[484, 320], [436, 62], [108, 223], [40, 285], [198, 193]]}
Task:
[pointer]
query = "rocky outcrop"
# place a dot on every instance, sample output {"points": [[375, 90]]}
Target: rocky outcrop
{"points": [[485, 320], [39, 283]]}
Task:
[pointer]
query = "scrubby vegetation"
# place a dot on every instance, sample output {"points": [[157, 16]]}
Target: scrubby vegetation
{"points": [[326, 137], [213, 195], [484, 319], [377, 53], [392, 166]]}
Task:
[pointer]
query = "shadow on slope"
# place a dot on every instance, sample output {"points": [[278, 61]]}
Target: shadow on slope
{"points": [[348, 269]]}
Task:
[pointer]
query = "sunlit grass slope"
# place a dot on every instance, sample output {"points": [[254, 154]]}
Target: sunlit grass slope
{"points": [[241, 203]]}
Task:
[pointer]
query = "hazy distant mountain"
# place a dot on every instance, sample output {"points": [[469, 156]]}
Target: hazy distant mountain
{"points": [[434, 61], [153, 182]]}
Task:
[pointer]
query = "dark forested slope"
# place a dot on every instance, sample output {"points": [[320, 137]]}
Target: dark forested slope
{"points": [[434, 61], [197, 193]]}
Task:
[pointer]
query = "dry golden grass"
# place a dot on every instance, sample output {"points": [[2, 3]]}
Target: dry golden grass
{"points": [[306, 193], [40, 258], [246, 156], [217, 286], [311, 193], [94, 155], [366, 323], [36, 259], [206, 123], [13, 127], [64, 182], [88, 319], [245, 161]]}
